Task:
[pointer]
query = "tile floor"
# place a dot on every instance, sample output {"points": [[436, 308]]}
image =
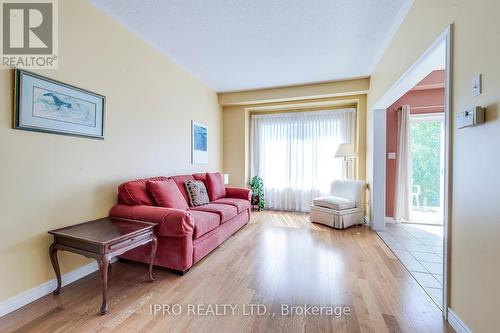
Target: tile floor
{"points": [[427, 215], [420, 249]]}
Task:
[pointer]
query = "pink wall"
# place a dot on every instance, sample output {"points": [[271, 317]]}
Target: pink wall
{"points": [[422, 96]]}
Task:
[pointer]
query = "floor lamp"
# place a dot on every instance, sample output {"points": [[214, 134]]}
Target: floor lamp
{"points": [[346, 151]]}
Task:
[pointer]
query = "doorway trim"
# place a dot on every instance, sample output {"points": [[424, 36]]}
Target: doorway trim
{"points": [[411, 77]]}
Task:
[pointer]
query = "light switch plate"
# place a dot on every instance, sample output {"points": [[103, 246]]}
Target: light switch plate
{"points": [[391, 156], [476, 85]]}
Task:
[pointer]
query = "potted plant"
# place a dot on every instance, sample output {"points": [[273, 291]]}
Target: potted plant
{"points": [[257, 186]]}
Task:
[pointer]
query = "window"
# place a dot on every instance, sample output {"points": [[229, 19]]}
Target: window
{"points": [[294, 154]]}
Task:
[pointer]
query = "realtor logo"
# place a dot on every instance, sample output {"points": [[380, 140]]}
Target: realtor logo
{"points": [[29, 34]]}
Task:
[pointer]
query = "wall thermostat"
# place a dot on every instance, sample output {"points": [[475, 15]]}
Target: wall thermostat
{"points": [[470, 117]]}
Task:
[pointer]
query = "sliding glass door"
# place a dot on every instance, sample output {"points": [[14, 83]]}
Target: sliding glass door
{"points": [[427, 157]]}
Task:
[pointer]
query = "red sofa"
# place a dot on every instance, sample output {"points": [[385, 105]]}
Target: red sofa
{"points": [[185, 234]]}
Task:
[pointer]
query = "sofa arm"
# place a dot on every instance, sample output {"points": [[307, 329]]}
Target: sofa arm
{"points": [[239, 193], [170, 222]]}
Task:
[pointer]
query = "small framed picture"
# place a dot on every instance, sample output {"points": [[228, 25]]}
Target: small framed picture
{"points": [[46, 105], [199, 143]]}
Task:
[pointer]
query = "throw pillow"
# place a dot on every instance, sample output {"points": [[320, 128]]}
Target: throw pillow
{"points": [[215, 186], [197, 192], [135, 192], [166, 194], [179, 180]]}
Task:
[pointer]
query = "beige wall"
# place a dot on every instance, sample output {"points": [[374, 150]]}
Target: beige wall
{"points": [[236, 119], [236, 141], [475, 227], [49, 181], [298, 92]]}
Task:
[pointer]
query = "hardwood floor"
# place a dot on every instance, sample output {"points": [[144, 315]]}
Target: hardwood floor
{"points": [[278, 258]]}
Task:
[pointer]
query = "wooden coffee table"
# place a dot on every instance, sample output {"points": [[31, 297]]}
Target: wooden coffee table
{"points": [[102, 240]]}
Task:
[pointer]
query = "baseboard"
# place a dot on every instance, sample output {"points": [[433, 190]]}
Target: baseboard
{"points": [[389, 220], [457, 324], [46, 288]]}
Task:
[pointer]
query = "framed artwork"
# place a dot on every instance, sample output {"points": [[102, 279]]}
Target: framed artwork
{"points": [[199, 143], [46, 105]]}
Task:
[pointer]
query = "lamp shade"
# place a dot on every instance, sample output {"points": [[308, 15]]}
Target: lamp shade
{"points": [[226, 178], [345, 150]]}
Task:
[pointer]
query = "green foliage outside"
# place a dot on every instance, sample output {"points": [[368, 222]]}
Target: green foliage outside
{"points": [[425, 152]]}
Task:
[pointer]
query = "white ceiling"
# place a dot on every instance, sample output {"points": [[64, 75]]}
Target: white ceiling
{"points": [[246, 44]]}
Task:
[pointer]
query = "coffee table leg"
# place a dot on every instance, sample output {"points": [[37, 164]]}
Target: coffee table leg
{"points": [[55, 265], [103, 267], [154, 244]]}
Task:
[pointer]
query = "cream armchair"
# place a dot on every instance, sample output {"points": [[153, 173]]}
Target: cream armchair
{"points": [[343, 207]]}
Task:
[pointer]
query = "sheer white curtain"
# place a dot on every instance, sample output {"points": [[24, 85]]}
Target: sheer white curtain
{"points": [[402, 195], [294, 154]]}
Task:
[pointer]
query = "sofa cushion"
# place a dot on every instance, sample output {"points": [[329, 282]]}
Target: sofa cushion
{"points": [[333, 202], [200, 176], [226, 212], [204, 222], [166, 194], [197, 192], [135, 192], [240, 204], [179, 180], [215, 186]]}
